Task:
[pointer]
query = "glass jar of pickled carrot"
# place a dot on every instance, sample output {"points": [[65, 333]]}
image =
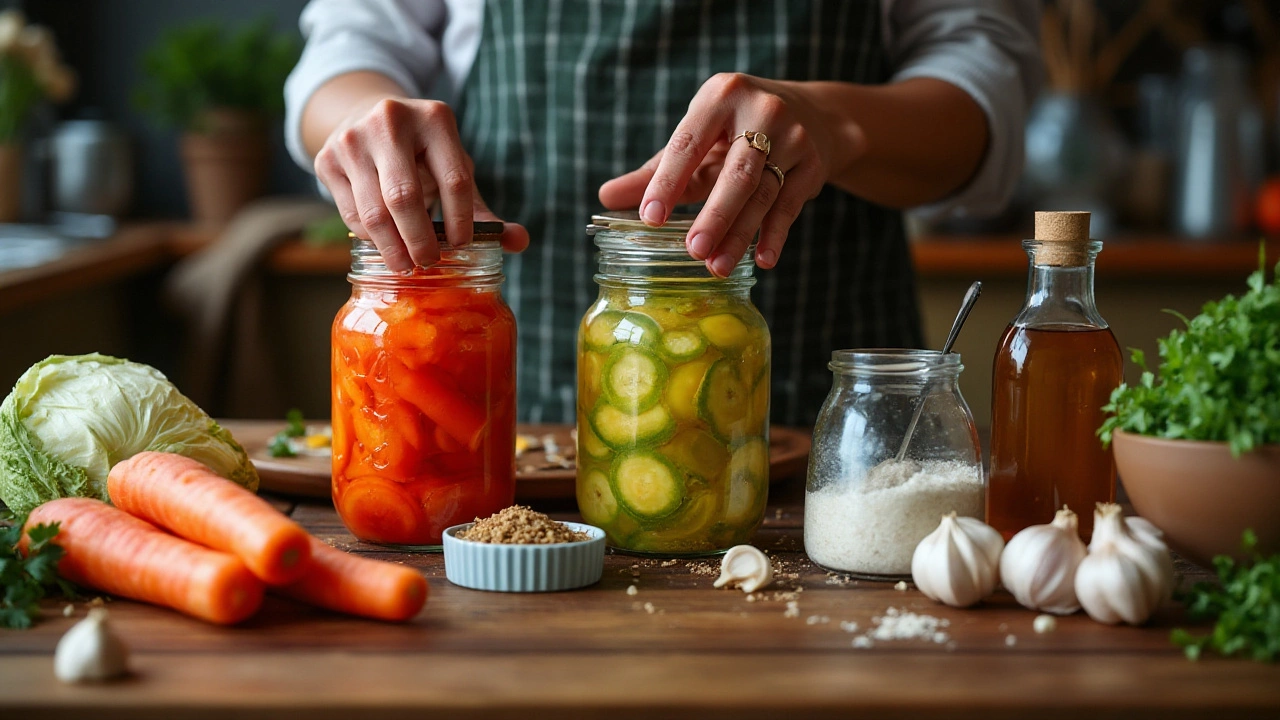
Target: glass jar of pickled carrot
{"points": [[424, 394], [673, 396]]}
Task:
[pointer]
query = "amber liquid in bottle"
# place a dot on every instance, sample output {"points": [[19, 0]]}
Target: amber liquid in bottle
{"points": [[1048, 388]]}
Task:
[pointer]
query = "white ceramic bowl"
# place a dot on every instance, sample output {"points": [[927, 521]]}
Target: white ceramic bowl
{"points": [[524, 568]]}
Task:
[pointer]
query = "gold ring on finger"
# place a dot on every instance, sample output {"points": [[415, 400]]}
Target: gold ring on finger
{"points": [[757, 140], [777, 171]]}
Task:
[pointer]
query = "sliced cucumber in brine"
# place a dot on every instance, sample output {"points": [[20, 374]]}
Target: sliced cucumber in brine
{"points": [[636, 328], [682, 345], [723, 401], [589, 443], [633, 378], [595, 499], [689, 530], [747, 478], [682, 389], [697, 452], [598, 334], [725, 330], [647, 485], [622, 430]]}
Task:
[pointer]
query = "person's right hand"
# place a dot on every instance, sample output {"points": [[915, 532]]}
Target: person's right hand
{"points": [[387, 166]]}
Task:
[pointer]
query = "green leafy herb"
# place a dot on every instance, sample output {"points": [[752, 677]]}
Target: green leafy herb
{"points": [[296, 427], [19, 92], [1245, 606], [204, 65], [331, 230], [1218, 379], [26, 580]]}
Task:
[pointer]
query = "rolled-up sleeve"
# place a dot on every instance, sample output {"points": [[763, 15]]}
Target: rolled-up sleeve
{"points": [[990, 50], [396, 38]]}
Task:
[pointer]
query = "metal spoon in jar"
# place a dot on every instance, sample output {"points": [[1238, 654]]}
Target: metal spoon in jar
{"points": [[966, 306]]}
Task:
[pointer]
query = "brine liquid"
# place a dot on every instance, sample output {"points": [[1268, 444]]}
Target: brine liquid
{"points": [[1049, 385]]}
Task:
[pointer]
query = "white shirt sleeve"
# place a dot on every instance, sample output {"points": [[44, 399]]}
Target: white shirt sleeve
{"points": [[989, 49], [397, 38]]}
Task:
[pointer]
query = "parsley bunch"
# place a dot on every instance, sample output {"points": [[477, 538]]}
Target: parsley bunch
{"points": [[1246, 608], [26, 580], [1218, 379]]}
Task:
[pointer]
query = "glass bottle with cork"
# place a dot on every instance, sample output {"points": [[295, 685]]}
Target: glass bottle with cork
{"points": [[1054, 370]]}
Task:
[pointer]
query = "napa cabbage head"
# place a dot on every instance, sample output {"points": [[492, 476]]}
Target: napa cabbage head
{"points": [[69, 419]]}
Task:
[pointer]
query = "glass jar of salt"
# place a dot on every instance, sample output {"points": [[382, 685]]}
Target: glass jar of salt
{"points": [[869, 501]]}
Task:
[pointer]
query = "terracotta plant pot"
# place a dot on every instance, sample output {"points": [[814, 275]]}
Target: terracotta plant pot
{"points": [[10, 182], [225, 163], [1200, 496]]}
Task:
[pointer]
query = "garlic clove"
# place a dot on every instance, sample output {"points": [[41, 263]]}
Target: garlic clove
{"points": [[958, 563], [1126, 576], [746, 567], [90, 651], [1039, 565]]}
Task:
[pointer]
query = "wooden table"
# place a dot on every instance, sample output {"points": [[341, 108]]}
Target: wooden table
{"points": [[675, 648]]}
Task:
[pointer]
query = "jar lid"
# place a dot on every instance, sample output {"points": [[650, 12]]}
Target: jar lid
{"points": [[481, 231], [629, 222]]}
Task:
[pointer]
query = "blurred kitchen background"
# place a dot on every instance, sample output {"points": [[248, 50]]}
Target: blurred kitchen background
{"points": [[146, 201]]}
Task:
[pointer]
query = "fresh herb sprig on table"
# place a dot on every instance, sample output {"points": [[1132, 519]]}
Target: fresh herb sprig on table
{"points": [[296, 427], [1218, 379], [27, 580], [1246, 608]]}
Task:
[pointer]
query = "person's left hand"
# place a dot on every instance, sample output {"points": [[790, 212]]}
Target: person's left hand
{"points": [[702, 161]]}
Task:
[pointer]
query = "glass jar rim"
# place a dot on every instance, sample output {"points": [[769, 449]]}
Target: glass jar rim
{"points": [[479, 263], [631, 250], [897, 363]]}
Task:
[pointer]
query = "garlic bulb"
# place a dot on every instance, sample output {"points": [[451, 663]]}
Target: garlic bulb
{"points": [[959, 563], [1039, 565], [1126, 575], [1145, 531], [746, 567], [90, 650]]}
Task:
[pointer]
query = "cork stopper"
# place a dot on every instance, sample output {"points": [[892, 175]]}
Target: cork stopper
{"points": [[1064, 238]]}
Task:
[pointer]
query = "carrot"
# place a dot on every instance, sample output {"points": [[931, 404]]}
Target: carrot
{"points": [[440, 402], [359, 586], [378, 510], [188, 499], [108, 549]]}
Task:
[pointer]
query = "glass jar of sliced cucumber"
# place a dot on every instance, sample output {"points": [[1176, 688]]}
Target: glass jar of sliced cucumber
{"points": [[673, 396]]}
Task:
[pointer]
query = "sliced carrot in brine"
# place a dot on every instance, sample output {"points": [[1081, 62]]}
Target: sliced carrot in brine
{"points": [[379, 511], [463, 419]]}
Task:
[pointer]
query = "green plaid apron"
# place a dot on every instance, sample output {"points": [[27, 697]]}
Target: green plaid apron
{"points": [[566, 94]]}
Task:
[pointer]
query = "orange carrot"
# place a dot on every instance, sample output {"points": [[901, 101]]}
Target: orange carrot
{"points": [[188, 499], [110, 550], [440, 401], [359, 586]]}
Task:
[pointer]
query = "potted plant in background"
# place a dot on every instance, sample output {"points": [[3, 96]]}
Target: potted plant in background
{"points": [[222, 88], [30, 71], [1197, 442]]}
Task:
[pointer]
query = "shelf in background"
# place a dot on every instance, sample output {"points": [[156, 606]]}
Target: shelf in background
{"points": [[1129, 256], [143, 246]]}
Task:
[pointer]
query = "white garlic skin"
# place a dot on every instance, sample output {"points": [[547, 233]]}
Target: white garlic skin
{"points": [[1039, 565], [959, 563], [746, 567], [1145, 532], [1125, 576], [90, 651]]}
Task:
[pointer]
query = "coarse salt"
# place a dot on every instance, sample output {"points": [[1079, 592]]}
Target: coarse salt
{"points": [[873, 524]]}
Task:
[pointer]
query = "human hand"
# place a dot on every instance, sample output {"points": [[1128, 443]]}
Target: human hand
{"points": [[387, 166], [703, 162]]}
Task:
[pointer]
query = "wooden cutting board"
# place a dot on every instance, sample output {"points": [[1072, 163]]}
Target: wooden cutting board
{"points": [[535, 477]]}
